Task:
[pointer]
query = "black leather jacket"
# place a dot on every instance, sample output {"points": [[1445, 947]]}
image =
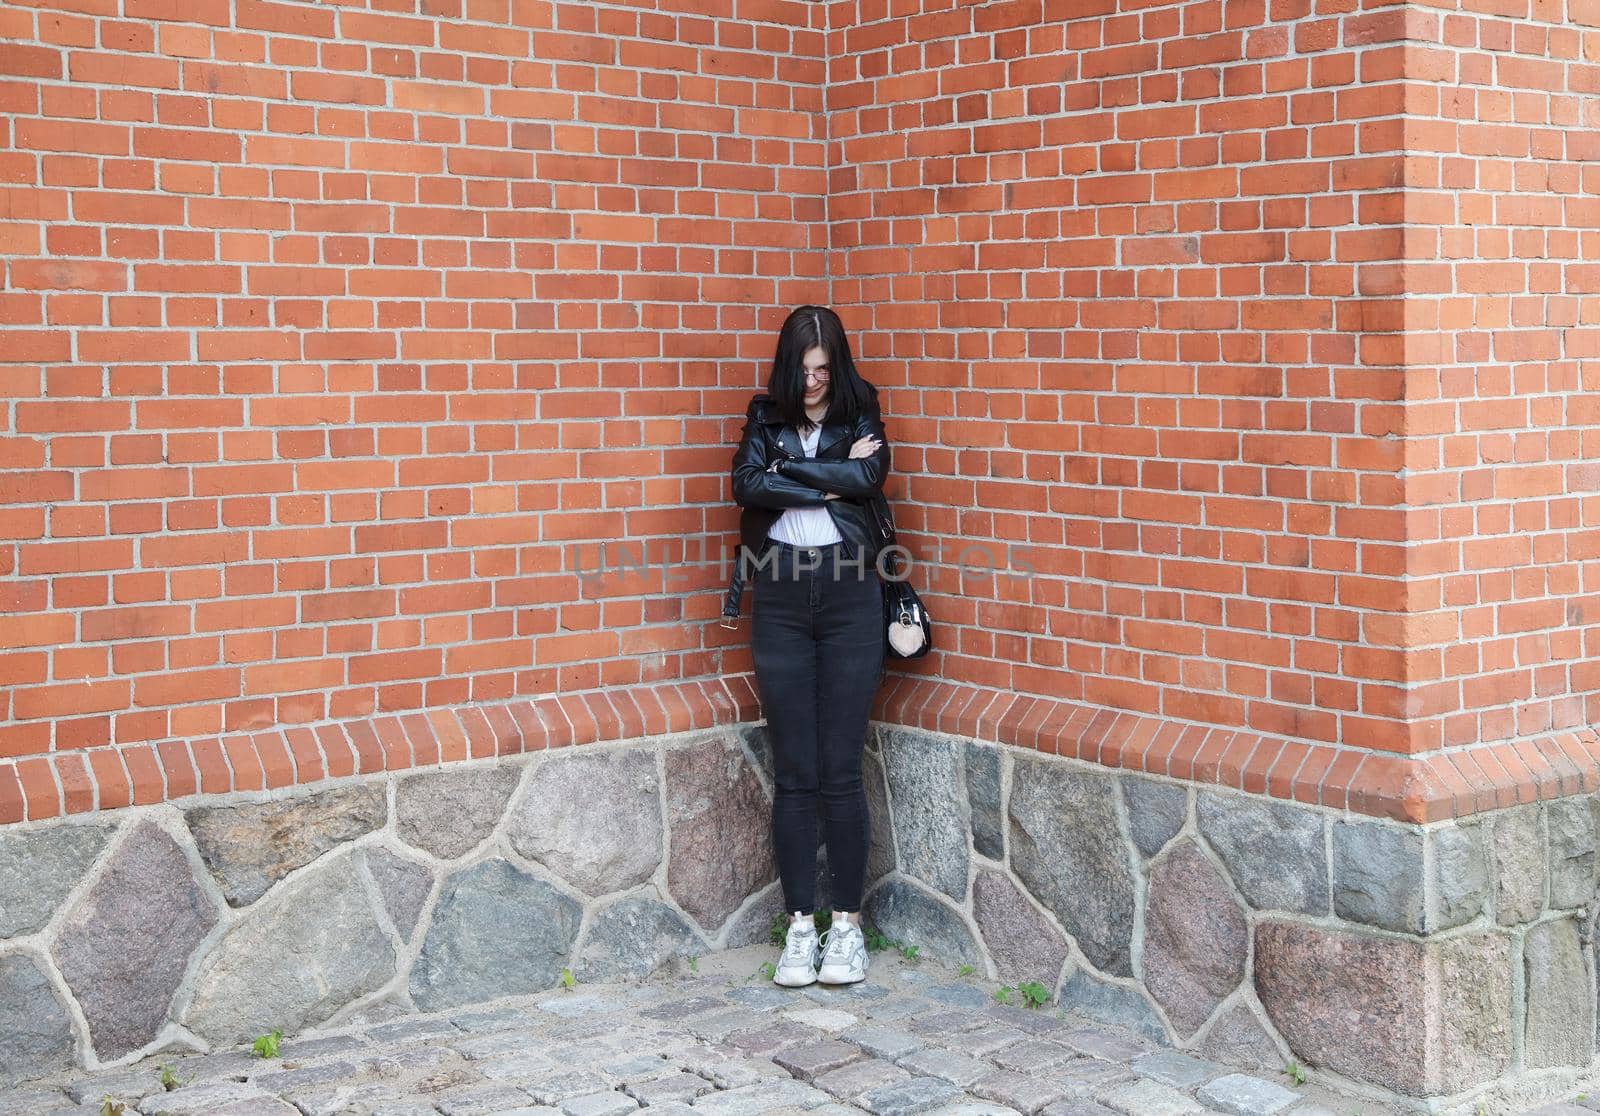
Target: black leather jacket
{"points": [[766, 445]]}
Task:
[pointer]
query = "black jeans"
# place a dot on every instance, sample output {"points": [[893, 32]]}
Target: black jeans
{"points": [[818, 642]]}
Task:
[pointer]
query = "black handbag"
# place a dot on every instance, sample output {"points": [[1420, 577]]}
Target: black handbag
{"points": [[908, 630]]}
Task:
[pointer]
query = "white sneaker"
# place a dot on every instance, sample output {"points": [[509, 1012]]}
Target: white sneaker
{"points": [[798, 965], [844, 954]]}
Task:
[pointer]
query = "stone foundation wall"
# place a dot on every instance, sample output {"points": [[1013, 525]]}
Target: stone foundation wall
{"points": [[1433, 966], [174, 926]]}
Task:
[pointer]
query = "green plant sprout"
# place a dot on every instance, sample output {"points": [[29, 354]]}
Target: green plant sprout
{"points": [[267, 1045], [1034, 994]]}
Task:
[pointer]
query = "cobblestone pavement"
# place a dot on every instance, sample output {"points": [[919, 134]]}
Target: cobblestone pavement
{"points": [[721, 1041]]}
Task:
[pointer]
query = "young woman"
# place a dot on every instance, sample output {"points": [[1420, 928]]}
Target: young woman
{"points": [[813, 447]]}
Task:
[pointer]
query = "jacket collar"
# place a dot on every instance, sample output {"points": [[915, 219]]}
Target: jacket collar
{"points": [[832, 432]]}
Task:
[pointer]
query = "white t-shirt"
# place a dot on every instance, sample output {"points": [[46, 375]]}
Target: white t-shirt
{"points": [[806, 526]]}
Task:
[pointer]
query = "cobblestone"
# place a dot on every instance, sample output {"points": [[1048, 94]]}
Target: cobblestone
{"points": [[1241, 1095], [1018, 1090], [763, 1098], [946, 1022], [678, 1086], [854, 1078], [1171, 1067], [902, 1098], [1077, 1108], [1032, 1056], [1149, 1098], [958, 1069], [769, 1040], [913, 1041], [479, 1100], [599, 1104], [824, 1019], [1106, 1046], [882, 1041], [1033, 1022], [814, 1058], [958, 995], [558, 1087], [988, 1040], [517, 1067], [1089, 1074], [134, 1085], [643, 1067]]}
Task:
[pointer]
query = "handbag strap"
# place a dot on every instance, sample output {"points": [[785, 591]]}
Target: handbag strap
{"points": [[884, 518]]}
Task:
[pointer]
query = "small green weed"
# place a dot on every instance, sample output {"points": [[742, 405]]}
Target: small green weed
{"points": [[877, 942], [1294, 1073], [568, 981], [109, 1107], [1034, 994], [168, 1079], [694, 963], [966, 970], [267, 1045], [768, 969]]}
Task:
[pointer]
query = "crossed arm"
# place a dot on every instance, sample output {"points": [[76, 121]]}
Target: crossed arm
{"points": [[852, 477], [806, 482], [756, 486]]}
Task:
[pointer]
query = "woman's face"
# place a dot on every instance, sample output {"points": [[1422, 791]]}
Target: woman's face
{"points": [[818, 385]]}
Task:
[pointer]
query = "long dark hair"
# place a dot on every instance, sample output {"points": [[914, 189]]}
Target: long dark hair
{"points": [[804, 329]]}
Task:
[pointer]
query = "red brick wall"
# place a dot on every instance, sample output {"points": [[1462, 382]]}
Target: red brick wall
{"points": [[337, 330], [1255, 329], [1137, 268]]}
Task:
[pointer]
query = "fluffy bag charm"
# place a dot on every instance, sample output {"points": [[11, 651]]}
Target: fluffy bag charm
{"points": [[910, 633]]}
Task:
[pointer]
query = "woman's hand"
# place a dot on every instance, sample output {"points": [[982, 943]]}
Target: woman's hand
{"points": [[865, 446]]}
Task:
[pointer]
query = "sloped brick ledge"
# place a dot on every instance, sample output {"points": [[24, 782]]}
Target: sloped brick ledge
{"points": [[81, 782], [1414, 789]]}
